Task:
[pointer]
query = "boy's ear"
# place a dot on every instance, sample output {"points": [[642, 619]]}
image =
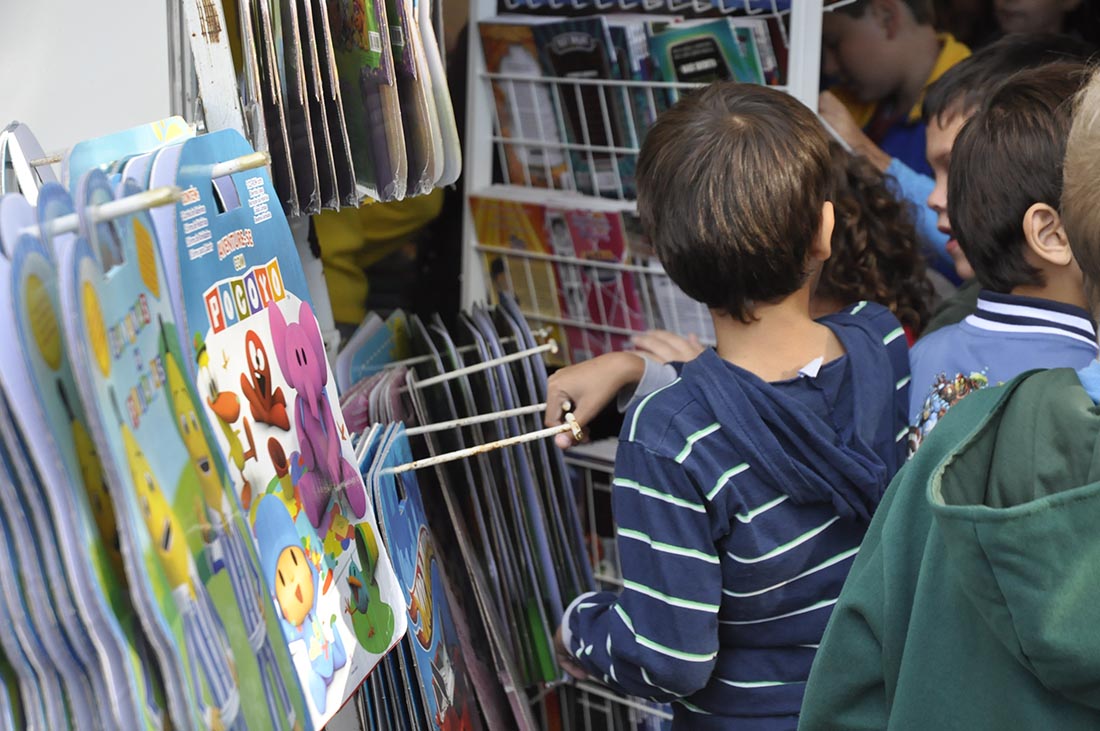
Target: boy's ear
{"points": [[888, 14], [1046, 236], [822, 247]]}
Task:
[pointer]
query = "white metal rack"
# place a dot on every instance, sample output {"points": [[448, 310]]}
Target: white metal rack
{"points": [[485, 138]]}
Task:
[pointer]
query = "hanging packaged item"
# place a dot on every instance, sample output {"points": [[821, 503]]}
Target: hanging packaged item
{"points": [[256, 353], [55, 623], [308, 40], [334, 106], [38, 382], [486, 553], [290, 59], [273, 90], [443, 680], [372, 109], [191, 570], [448, 141]]}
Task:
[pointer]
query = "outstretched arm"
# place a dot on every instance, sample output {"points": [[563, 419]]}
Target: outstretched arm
{"points": [[658, 638]]}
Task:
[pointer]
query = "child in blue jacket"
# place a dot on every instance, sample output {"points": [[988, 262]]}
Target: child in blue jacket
{"points": [[743, 488]]}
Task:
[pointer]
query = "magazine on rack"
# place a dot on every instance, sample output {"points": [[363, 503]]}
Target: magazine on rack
{"points": [[582, 290]]}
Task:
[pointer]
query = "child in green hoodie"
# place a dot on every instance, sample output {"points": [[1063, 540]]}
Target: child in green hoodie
{"points": [[975, 600]]}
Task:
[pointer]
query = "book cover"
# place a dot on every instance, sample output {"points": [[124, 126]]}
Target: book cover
{"points": [[524, 108], [191, 568], [254, 348], [594, 114], [703, 52]]}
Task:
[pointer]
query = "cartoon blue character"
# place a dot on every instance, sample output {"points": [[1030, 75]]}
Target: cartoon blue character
{"points": [[293, 580]]}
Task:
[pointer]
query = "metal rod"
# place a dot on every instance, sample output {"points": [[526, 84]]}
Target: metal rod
{"points": [[478, 419], [550, 347], [582, 325], [51, 159], [608, 695], [244, 162], [570, 425], [111, 210]]}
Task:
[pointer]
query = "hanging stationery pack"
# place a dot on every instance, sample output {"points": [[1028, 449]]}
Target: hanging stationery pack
{"points": [[498, 507], [227, 559], [198, 557], [349, 97]]}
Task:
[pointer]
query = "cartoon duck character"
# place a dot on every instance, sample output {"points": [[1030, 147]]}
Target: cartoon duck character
{"points": [[300, 352], [243, 577], [208, 650], [268, 405], [293, 581], [227, 408], [371, 618]]}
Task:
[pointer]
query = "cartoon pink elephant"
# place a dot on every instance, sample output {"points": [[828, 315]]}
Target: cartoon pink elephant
{"points": [[301, 356]]}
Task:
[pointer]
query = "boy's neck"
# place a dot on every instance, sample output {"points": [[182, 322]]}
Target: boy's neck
{"points": [[779, 342], [923, 46], [1056, 289]]}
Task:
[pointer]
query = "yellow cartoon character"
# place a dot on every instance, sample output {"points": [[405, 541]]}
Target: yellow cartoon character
{"points": [[243, 576], [91, 475], [206, 645]]}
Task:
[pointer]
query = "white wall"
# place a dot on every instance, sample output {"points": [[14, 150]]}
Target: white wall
{"points": [[74, 69]]}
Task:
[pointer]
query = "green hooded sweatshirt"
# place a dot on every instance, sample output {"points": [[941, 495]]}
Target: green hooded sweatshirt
{"points": [[974, 602]]}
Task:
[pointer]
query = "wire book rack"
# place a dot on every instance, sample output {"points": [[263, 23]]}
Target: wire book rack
{"points": [[593, 299]]}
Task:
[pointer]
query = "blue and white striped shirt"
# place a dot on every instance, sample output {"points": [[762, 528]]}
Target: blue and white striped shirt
{"points": [[740, 505]]}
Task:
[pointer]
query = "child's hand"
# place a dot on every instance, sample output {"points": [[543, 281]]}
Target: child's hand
{"points": [[833, 111], [668, 347], [566, 660], [588, 387]]}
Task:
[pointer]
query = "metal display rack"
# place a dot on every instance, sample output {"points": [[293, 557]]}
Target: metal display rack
{"points": [[485, 139]]}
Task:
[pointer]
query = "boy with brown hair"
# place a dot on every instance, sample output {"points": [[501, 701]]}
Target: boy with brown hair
{"points": [[883, 54], [949, 103], [974, 600], [742, 488], [1005, 188]]}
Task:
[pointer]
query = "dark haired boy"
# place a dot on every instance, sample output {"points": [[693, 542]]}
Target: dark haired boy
{"points": [[1005, 188], [952, 100], [883, 54], [975, 598], [742, 488]]}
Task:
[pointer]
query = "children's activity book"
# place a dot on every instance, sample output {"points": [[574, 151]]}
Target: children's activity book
{"points": [[191, 572], [255, 350]]}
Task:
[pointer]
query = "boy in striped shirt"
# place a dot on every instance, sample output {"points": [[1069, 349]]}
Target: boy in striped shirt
{"points": [[744, 487]]}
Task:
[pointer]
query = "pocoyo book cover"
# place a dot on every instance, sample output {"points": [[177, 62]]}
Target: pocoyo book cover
{"points": [[193, 575], [445, 683], [38, 378], [268, 389]]}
